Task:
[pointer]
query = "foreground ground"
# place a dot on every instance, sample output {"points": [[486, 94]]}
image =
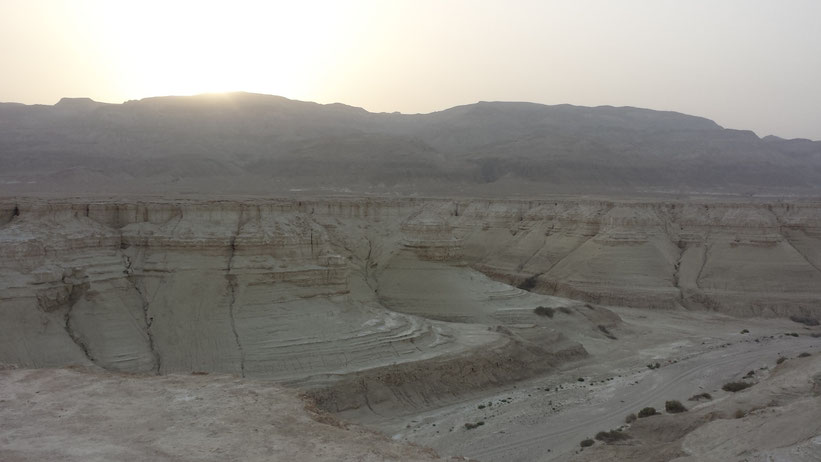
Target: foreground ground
{"points": [[546, 418], [75, 415], [90, 415]]}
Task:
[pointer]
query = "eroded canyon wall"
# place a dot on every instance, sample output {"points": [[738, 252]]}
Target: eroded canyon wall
{"points": [[288, 288]]}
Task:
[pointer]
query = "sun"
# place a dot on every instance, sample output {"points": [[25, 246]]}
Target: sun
{"points": [[181, 48]]}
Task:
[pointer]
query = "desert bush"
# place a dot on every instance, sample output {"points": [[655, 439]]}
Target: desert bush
{"points": [[700, 396], [674, 407], [647, 412], [745, 331], [565, 310], [739, 413], [780, 360], [804, 355], [481, 406], [544, 311], [587, 443], [471, 426], [653, 365], [612, 436], [630, 418], [735, 386], [806, 320], [792, 334]]}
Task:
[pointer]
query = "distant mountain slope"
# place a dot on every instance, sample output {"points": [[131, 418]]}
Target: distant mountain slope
{"points": [[250, 143]]}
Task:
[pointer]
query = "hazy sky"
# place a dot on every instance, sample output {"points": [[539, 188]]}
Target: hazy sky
{"points": [[753, 64]]}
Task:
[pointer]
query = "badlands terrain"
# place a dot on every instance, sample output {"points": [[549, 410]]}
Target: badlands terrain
{"points": [[413, 317], [254, 278]]}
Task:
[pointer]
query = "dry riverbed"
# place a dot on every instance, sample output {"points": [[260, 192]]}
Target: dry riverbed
{"points": [[546, 418]]}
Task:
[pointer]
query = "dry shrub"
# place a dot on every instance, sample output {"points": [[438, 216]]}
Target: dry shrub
{"points": [[544, 311], [612, 436], [735, 386], [674, 407], [647, 412]]}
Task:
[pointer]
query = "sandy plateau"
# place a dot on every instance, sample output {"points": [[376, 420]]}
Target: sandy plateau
{"points": [[408, 329]]}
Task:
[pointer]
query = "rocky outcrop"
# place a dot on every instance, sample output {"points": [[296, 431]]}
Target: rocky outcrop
{"points": [[288, 289], [742, 258]]}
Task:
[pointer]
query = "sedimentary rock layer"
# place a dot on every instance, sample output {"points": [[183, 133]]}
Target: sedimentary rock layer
{"points": [[290, 289]]}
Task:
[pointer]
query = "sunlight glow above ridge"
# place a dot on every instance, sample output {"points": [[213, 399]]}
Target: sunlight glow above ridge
{"points": [[748, 64], [189, 47]]}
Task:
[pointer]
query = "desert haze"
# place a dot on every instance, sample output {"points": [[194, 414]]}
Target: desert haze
{"points": [[242, 143], [247, 277]]}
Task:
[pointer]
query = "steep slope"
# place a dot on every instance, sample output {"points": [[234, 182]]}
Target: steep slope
{"points": [[287, 289]]}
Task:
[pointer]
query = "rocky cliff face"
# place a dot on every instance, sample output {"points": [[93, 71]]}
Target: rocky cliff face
{"points": [[292, 289], [743, 259]]}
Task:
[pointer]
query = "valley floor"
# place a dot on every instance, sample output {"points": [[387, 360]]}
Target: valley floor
{"points": [[547, 417], [92, 415]]}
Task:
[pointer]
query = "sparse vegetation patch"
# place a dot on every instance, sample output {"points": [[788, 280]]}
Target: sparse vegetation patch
{"points": [[544, 311], [735, 386], [647, 412], [612, 436], [587, 443], [700, 396], [471, 426], [674, 407]]}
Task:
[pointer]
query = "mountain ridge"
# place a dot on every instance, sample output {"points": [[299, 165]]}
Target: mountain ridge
{"points": [[253, 143]]}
